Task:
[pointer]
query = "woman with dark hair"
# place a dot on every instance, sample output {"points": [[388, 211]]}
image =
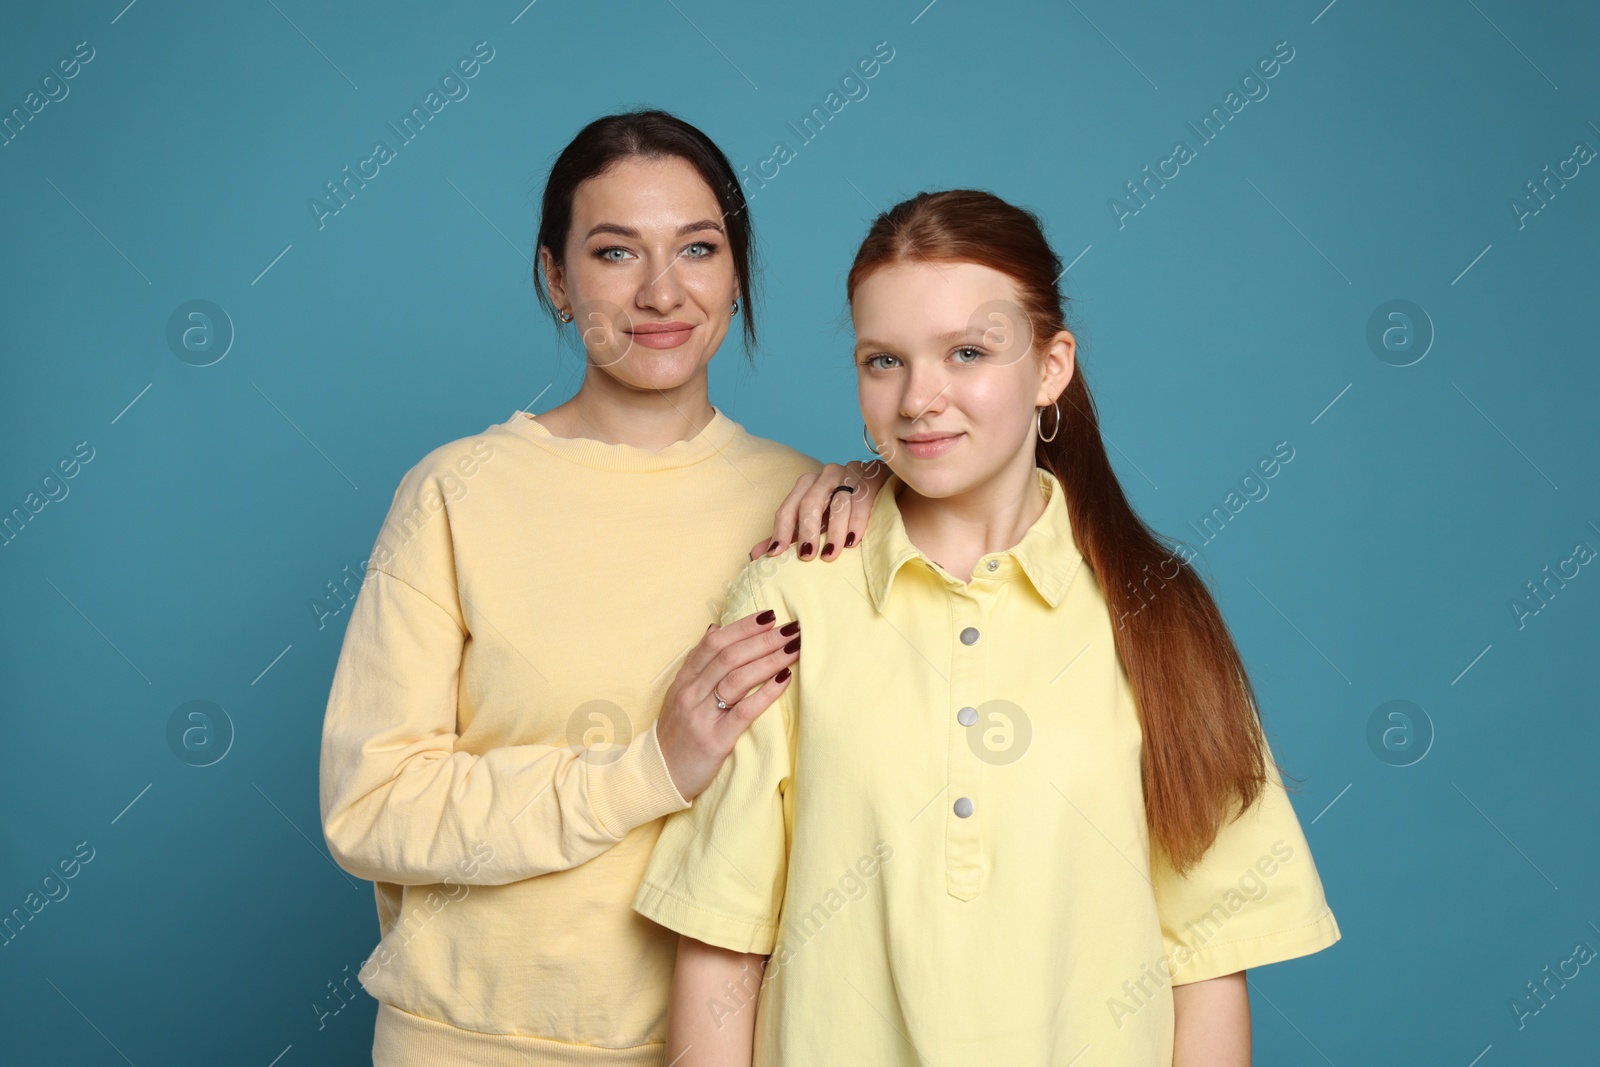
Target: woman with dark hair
{"points": [[1016, 806], [524, 691]]}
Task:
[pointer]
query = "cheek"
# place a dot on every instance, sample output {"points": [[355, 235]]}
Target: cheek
{"points": [[713, 290]]}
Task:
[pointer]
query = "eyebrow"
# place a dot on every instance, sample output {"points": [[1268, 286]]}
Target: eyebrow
{"points": [[967, 333], [629, 231]]}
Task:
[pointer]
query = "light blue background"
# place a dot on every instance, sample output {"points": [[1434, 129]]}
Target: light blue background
{"points": [[1231, 313]]}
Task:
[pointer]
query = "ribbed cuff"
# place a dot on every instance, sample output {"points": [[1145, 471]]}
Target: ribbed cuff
{"points": [[635, 788], [403, 1039]]}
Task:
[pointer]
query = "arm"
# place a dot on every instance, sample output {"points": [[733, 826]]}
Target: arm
{"points": [[1211, 1023], [401, 805], [712, 1011]]}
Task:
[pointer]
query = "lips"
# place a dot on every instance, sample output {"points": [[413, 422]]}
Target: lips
{"points": [[924, 446], [661, 334]]}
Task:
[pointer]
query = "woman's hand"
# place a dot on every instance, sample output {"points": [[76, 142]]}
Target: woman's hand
{"points": [[814, 511], [695, 735]]}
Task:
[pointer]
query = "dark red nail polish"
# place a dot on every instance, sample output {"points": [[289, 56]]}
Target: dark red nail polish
{"points": [[805, 549], [849, 539], [789, 629], [781, 676], [772, 546], [827, 548], [766, 617], [792, 646]]}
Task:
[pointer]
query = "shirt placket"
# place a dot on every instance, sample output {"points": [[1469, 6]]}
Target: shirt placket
{"points": [[964, 805]]}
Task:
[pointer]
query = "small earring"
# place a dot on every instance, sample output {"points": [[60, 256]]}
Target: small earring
{"points": [[736, 307], [565, 315], [870, 446], [1039, 421]]}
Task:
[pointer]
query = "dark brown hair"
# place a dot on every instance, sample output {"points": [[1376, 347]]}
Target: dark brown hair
{"points": [[1203, 749], [652, 134]]}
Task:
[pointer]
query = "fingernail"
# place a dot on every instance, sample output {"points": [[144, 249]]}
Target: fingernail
{"points": [[789, 629], [827, 548], [781, 676], [772, 546], [766, 617], [849, 539], [805, 549], [792, 646]]}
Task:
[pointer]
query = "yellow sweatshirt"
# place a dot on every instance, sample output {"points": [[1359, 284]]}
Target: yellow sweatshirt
{"points": [[489, 756]]}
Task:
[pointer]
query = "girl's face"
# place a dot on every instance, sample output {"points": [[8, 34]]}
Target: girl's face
{"points": [[949, 374], [647, 275]]}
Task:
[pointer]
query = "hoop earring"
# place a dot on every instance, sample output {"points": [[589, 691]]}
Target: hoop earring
{"points": [[564, 315], [870, 446], [736, 307], [1039, 421]]}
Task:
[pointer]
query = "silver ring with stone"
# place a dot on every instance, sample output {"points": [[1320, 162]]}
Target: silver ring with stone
{"points": [[722, 705]]}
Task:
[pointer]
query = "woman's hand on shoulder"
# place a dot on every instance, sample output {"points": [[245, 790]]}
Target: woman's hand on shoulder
{"points": [[747, 663], [822, 517]]}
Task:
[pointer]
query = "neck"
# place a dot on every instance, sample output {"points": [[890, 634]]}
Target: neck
{"points": [[956, 531], [606, 410]]}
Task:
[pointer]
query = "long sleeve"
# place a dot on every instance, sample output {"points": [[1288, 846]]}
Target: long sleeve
{"points": [[400, 803]]}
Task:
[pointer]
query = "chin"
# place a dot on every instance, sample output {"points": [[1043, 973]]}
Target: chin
{"points": [[927, 480]]}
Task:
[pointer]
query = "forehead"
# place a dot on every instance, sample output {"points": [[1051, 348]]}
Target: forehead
{"points": [[916, 298], [644, 193]]}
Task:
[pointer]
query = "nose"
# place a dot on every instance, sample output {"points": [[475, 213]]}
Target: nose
{"points": [[662, 292], [924, 393]]}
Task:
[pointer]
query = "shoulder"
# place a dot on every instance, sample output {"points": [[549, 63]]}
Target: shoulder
{"points": [[419, 513], [786, 583], [452, 462], [775, 459]]}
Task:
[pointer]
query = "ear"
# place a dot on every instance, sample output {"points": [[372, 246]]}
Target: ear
{"points": [[1060, 363], [554, 277]]}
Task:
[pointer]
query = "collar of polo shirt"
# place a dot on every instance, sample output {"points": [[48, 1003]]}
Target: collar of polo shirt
{"points": [[1047, 553]]}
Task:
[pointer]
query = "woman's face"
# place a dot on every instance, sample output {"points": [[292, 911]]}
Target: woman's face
{"points": [[949, 375], [647, 275]]}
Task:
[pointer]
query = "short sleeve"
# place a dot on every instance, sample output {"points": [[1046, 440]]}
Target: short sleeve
{"points": [[1254, 898], [719, 867]]}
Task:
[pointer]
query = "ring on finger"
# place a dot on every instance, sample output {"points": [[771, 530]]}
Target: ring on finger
{"points": [[722, 705]]}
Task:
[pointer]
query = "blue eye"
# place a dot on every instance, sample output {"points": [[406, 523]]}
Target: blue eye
{"points": [[707, 245], [976, 352], [605, 253]]}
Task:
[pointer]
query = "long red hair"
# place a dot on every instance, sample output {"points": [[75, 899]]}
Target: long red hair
{"points": [[1203, 751]]}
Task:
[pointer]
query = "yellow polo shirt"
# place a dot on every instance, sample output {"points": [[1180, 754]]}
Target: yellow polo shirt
{"points": [[938, 832]]}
